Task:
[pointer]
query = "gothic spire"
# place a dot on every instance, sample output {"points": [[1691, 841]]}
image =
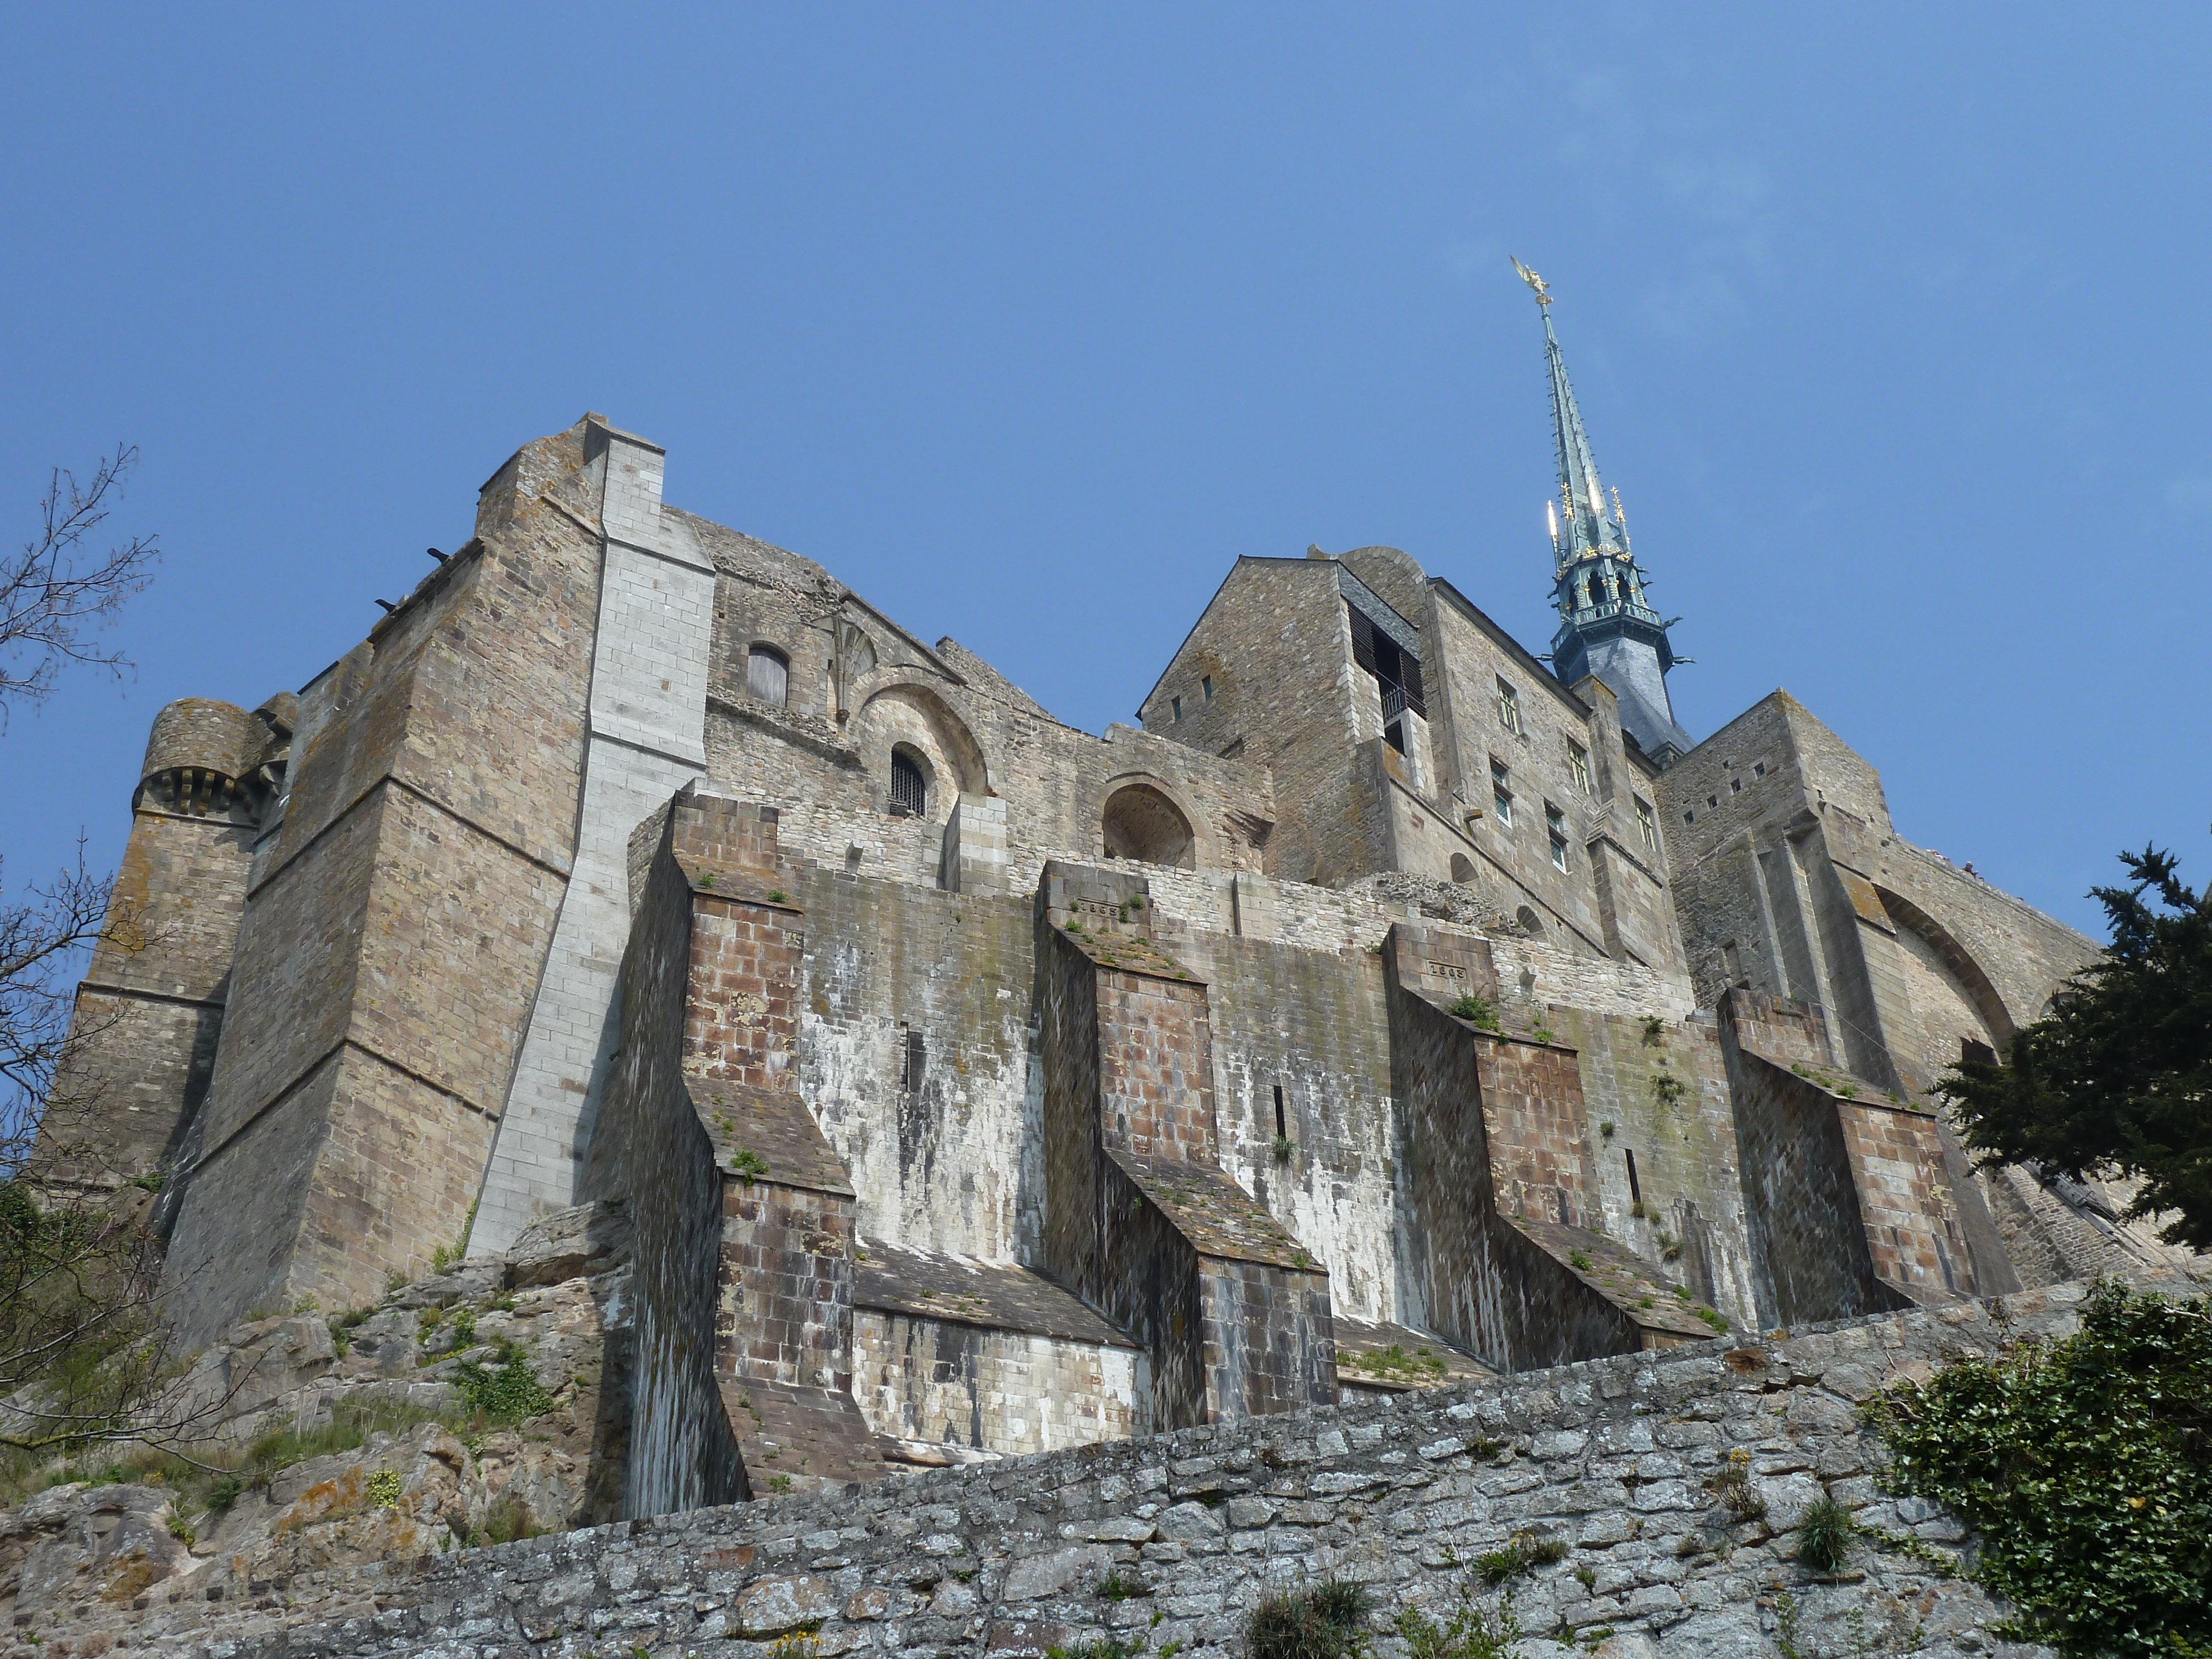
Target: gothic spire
{"points": [[1607, 627]]}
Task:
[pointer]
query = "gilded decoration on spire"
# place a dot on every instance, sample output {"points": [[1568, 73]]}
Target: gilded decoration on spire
{"points": [[1606, 626]]}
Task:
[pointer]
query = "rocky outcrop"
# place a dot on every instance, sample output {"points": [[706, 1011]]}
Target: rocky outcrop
{"points": [[408, 1396]]}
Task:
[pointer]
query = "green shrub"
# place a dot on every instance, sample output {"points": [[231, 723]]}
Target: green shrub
{"points": [[1321, 1622], [2086, 1466], [506, 1391], [1475, 1011]]}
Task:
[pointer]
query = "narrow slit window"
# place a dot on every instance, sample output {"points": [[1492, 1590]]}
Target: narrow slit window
{"points": [[1501, 791], [1282, 1122], [1635, 1187], [1206, 682], [1175, 708], [913, 1058], [1578, 765], [1555, 830]]}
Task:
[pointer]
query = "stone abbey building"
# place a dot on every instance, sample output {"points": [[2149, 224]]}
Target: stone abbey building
{"points": [[1386, 1007]]}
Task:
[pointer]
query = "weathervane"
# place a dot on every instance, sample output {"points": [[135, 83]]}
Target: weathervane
{"points": [[1543, 289]]}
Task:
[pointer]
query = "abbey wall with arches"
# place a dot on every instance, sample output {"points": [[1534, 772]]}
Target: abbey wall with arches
{"points": [[1372, 1012]]}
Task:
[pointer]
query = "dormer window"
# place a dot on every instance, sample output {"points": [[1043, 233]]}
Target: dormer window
{"points": [[768, 675]]}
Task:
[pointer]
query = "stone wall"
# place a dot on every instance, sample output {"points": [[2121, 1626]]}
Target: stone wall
{"points": [[396, 921], [1623, 1462]]}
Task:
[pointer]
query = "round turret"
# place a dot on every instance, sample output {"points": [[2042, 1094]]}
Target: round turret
{"points": [[199, 755]]}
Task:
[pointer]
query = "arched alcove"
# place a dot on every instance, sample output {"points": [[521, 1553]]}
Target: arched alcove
{"points": [[1531, 923], [936, 740], [1463, 868], [1141, 823]]}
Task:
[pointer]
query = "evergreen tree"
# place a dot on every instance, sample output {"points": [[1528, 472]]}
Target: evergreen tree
{"points": [[2118, 1077]]}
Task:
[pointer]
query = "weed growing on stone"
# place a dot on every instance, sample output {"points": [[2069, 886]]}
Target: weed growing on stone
{"points": [[1731, 1484], [748, 1165], [506, 1391], [1475, 1011], [1472, 1631], [1322, 1623], [1824, 1534], [1117, 1587], [1578, 1261], [1654, 1028], [1284, 1146], [1394, 1363], [1522, 1554]]}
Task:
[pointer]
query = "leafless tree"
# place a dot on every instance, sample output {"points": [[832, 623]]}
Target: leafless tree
{"points": [[59, 593], [82, 1352]]}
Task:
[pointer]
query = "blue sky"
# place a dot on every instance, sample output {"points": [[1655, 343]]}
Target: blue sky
{"points": [[1887, 321]]}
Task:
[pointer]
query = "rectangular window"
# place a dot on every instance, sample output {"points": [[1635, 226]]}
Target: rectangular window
{"points": [[1555, 829], [1578, 763], [1509, 707], [1175, 708], [1501, 794], [1207, 682], [1648, 822]]}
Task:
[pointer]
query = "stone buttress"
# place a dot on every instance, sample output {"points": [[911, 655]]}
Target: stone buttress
{"points": [[1141, 1221], [745, 1218], [1501, 1210]]}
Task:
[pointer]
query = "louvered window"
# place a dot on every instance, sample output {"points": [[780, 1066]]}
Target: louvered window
{"points": [[1397, 671], [768, 675]]}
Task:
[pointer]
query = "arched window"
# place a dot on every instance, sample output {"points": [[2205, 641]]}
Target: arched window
{"points": [[910, 785], [768, 675]]}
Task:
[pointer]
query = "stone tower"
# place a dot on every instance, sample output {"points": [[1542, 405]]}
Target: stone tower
{"points": [[1607, 627]]}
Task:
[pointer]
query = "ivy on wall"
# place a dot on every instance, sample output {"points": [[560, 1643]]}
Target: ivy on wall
{"points": [[2085, 1464]]}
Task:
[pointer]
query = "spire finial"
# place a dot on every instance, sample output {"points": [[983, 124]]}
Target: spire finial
{"points": [[1543, 289], [1606, 625]]}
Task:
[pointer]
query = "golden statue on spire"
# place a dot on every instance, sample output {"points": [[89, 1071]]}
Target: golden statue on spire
{"points": [[1543, 289]]}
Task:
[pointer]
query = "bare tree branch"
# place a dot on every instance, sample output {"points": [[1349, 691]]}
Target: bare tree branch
{"points": [[57, 594]]}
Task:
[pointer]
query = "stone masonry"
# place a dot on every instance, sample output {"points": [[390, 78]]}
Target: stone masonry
{"points": [[1675, 1482], [1377, 1012]]}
